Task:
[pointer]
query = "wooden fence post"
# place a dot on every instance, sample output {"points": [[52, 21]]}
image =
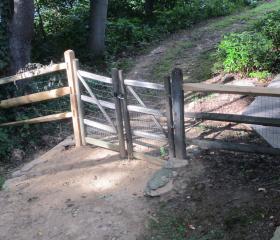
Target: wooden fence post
{"points": [[72, 77], [80, 105], [119, 119], [169, 115], [126, 117], [178, 113]]}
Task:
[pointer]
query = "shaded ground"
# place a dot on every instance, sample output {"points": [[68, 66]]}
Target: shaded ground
{"points": [[235, 197]]}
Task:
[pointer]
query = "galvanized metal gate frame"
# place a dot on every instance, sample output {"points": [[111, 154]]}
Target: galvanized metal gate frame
{"points": [[122, 127]]}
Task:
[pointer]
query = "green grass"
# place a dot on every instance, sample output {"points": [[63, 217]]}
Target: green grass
{"points": [[249, 16], [203, 68], [165, 65], [169, 227]]}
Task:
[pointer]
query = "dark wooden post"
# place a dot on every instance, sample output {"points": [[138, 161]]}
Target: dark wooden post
{"points": [[178, 113], [169, 115], [119, 119], [126, 117]]}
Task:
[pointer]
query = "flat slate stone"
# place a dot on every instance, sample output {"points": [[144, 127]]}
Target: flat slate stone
{"points": [[267, 107], [276, 234], [160, 183]]}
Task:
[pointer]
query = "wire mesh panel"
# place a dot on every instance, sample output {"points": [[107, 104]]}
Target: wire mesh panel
{"points": [[97, 124], [149, 130], [228, 105], [30, 138]]}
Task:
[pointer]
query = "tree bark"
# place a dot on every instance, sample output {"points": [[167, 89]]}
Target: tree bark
{"points": [[98, 20], [149, 7], [21, 29]]}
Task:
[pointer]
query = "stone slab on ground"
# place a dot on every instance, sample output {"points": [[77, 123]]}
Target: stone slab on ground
{"points": [[267, 107], [276, 234]]}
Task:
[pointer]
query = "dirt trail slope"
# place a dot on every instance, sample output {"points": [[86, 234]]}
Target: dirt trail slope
{"points": [[191, 49]]}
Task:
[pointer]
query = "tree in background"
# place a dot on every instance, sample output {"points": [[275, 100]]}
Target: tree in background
{"points": [[98, 19], [20, 33], [149, 7]]}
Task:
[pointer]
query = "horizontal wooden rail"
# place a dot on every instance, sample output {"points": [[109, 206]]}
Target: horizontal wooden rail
{"points": [[143, 84], [44, 119], [100, 126], [95, 77], [103, 103], [128, 82], [102, 144], [272, 122], [35, 97], [221, 145], [154, 136], [33, 73], [230, 89], [149, 111], [132, 108]]}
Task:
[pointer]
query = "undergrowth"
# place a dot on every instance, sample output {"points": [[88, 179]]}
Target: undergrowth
{"points": [[255, 53]]}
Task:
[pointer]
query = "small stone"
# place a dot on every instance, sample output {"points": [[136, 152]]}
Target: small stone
{"points": [[17, 156], [160, 191], [228, 78]]}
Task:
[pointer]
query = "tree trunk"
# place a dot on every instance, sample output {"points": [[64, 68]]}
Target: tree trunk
{"points": [[21, 29], [98, 20], [149, 7]]}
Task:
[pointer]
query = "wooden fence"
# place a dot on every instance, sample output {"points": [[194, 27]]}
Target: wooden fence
{"points": [[70, 66], [174, 114], [240, 90]]}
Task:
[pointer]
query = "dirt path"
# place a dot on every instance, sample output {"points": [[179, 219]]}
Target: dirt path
{"points": [[191, 50], [77, 194]]}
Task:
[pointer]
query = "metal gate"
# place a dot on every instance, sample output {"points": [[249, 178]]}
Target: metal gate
{"points": [[122, 114]]}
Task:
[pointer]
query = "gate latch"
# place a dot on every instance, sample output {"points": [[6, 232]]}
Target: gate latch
{"points": [[119, 96]]}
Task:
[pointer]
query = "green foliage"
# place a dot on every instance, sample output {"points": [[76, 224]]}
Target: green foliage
{"points": [[255, 52], [270, 27], [186, 13], [2, 181], [5, 144], [245, 52], [125, 34], [4, 16], [66, 25], [27, 137], [163, 152], [260, 74]]}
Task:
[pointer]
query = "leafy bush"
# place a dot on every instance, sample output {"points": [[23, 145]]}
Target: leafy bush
{"points": [[256, 51], [125, 34], [186, 13], [260, 74], [246, 52], [270, 27]]}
